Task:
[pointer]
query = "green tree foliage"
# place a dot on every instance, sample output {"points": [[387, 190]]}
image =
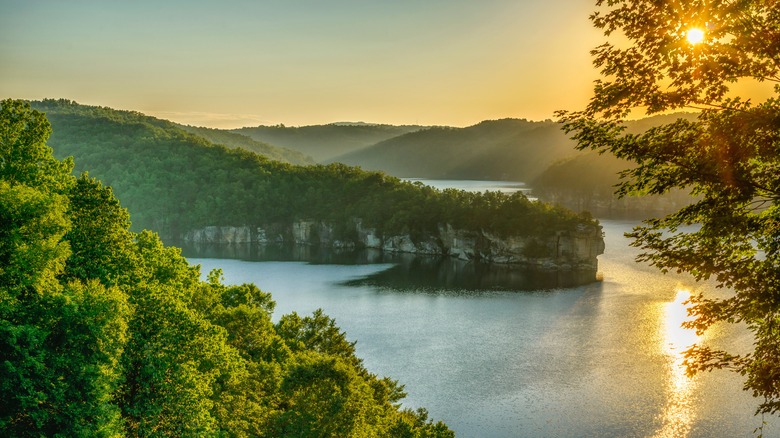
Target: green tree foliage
{"points": [[99, 237], [59, 343], [31, 247], [246, 402], [174, 354], [316, 333], [60, 355], [24, 156], [105, 332], [324, 396], [729, 157]]}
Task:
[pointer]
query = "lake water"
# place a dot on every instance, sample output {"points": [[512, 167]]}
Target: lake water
{"points": [[474, 185], [590, 361], [477, 185]]}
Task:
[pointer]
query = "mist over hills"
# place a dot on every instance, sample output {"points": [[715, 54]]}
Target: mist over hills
{"points": [[507, 149], [587, 180], [537, 153], [235, 140], [324, 142], [593, 174]]}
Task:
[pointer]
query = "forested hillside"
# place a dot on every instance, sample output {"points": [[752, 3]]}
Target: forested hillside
{"points": [[324, 142], [75, 121], [173, 182], [106, 332], [588, 180], [508, 149], [586, 174]]}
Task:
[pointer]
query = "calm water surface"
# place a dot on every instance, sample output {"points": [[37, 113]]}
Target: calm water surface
{"points": [[598, 360], [474, 185]]}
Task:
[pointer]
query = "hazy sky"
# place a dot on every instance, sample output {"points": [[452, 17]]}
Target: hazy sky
{"points": [[231, 63]]}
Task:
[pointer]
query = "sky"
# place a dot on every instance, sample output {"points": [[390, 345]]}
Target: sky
{"points": [[232, 63]]}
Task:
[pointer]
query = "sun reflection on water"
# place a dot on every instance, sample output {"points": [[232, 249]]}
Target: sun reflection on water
{"points": [[678, 413]]}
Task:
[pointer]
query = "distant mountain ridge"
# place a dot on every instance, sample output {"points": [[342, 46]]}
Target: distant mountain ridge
{"points": [[505, 149], [587, 180], [324, 142], [537, 153], [235, 140]]}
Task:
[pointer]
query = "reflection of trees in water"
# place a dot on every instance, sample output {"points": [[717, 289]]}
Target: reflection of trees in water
{"points": [[410, 271], [446, 273], [281, 253]]}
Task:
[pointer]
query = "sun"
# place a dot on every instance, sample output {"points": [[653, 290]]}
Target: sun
{"points": [[695, 35]]}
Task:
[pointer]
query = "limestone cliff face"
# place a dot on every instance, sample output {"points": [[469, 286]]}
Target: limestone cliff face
{"points": [[566, 250], [221, 235]]}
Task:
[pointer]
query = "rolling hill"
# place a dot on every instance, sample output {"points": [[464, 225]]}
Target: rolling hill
{"points": [[587, 180], [175, 182], [234, 140], [323, 142], [72, 119], [507, 149]]}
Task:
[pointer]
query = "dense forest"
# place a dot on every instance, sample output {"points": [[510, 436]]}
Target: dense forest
{"points": [[77, 121], [107, 332], [324, 142], [173, 182]]}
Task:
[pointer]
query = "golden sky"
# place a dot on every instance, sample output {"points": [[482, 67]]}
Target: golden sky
{"points": [[234, 63]]}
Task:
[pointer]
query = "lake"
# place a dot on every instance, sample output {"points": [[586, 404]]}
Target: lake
{"points": [[473, 185], [597, 360]]}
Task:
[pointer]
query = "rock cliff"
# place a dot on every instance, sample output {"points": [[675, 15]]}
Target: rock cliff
{"points": [[564, 250]]}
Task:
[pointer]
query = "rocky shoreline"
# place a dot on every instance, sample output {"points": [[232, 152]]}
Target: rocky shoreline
{"points": [[562, 251]]}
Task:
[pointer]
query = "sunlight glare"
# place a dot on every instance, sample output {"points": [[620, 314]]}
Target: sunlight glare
{"points": [[695, 36], [678, 414], [678, 338]]}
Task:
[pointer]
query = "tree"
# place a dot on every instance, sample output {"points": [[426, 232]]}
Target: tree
{"points": [[729, 158], [175, 359], [325, 397], [317, 333], [246, 400], [24, 156], [100, 238], [32, 252]]}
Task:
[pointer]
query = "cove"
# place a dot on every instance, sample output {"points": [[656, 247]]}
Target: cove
{"points": [[596, 360], [600, 360]]}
